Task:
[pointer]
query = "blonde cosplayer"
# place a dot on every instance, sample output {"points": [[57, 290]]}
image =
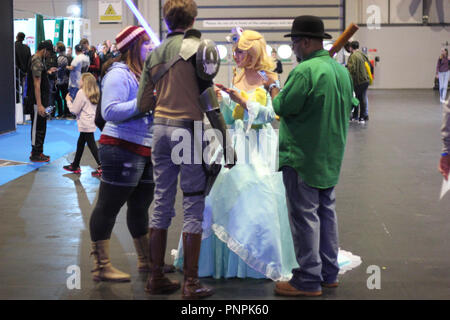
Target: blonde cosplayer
{"points": [[257, 59]]}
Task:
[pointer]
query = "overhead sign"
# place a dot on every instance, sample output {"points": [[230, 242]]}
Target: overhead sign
{"points": [[110, 11], [260, 23]]}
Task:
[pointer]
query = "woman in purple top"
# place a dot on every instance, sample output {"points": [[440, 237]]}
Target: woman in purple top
{"points": [[443, 73]]}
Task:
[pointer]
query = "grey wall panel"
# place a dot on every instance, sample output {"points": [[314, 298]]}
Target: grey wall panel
{"points": [[269, 12], [408, 55], [25, 8], [440, 11], [305, 3], [7, 83], [331, 11]]}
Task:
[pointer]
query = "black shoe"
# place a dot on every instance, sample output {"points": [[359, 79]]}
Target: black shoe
{"points": [[39, 158], [72, 169], [97, 173]]}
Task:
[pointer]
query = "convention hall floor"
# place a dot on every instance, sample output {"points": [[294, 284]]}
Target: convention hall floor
{"points": [[387, 202]]}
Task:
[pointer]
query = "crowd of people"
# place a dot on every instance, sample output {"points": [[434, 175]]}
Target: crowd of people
{"points": [[274, 217], [69, 69], [48, 82]]}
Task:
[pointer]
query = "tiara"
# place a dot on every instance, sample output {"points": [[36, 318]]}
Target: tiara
{"points": [[235, 34]]}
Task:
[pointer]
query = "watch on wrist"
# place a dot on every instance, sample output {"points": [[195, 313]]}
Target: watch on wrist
{"points": [[274, 85]]}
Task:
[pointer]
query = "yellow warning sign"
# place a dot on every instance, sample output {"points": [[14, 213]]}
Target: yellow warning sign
{"points": [[110, 11]]}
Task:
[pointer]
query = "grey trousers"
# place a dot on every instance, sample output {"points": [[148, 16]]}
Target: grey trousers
{"points": [[167, 167], [312, 215]]}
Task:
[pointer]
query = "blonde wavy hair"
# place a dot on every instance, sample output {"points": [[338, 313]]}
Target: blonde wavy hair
{"points": [[90, 87], [257, 58]]}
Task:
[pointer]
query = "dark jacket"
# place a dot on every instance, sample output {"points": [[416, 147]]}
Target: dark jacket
{"points": [[279, 67], [23, 57]]}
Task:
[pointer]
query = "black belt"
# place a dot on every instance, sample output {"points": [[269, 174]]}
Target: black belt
{"points": [[182, 123]]}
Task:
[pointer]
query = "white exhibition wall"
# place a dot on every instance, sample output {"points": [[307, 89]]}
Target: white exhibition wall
{"points": [[28, 26]]}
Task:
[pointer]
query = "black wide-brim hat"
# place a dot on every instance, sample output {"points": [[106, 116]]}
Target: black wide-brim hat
{"points": [[308, 26]]}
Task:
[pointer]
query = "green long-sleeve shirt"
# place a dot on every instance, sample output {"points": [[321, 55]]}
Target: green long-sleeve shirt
{"points": [[314, 107]]}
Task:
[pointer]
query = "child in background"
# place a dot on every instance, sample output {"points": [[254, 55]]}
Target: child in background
{"points": [[84, 107]]}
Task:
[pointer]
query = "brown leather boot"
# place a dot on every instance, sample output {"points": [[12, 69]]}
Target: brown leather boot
{"points": [[192, 288], [142, 246], [157, 283], [103, 270]]}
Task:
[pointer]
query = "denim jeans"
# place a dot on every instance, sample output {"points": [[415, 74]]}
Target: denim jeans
{"points": [[313, 220], [443, 84], [73, 92], [166, 171], [121, 167], [126, 178], [361, 94]]}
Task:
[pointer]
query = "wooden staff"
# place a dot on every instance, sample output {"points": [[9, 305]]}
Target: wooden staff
{"points": [[343, 38]]}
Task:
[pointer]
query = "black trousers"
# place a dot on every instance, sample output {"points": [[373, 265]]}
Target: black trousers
{"points": [[82, 139], [360, 92], [110, 200], [38, 130]]}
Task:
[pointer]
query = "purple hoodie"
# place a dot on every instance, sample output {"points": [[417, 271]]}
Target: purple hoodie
{"points": [[442, 65]]}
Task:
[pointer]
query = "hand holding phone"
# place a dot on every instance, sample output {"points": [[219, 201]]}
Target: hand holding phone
{"points": [[263, 75], [222, 87]]}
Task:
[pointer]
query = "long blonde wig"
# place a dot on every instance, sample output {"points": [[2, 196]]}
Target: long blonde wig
{"points": [[90, 87], [257, 58]]}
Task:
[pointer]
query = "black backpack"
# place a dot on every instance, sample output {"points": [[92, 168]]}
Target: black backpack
{"points": [[99, 121]]}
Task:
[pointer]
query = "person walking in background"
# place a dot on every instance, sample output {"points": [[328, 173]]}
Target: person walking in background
{"points": [[125, 155], [23, 58], [94, 67], [114, 50], [442, 72], [62, 81], [83, 107], [80, 62], [356, 67], [86, 48], [69, 55], [278, 65], [38, 94], [105, 54]]}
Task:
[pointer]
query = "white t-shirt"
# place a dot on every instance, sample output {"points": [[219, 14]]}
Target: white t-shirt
{"points": [[80, 62]]}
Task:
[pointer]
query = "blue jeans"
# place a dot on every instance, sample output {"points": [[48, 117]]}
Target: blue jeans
{"points": [[443, 84], [192, 182], [361, 94], [121, 167], [313, 220], [73, 92], [126, 178]]}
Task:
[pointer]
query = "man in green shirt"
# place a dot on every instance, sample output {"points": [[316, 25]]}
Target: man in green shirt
{"points": [[314, 107]]}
